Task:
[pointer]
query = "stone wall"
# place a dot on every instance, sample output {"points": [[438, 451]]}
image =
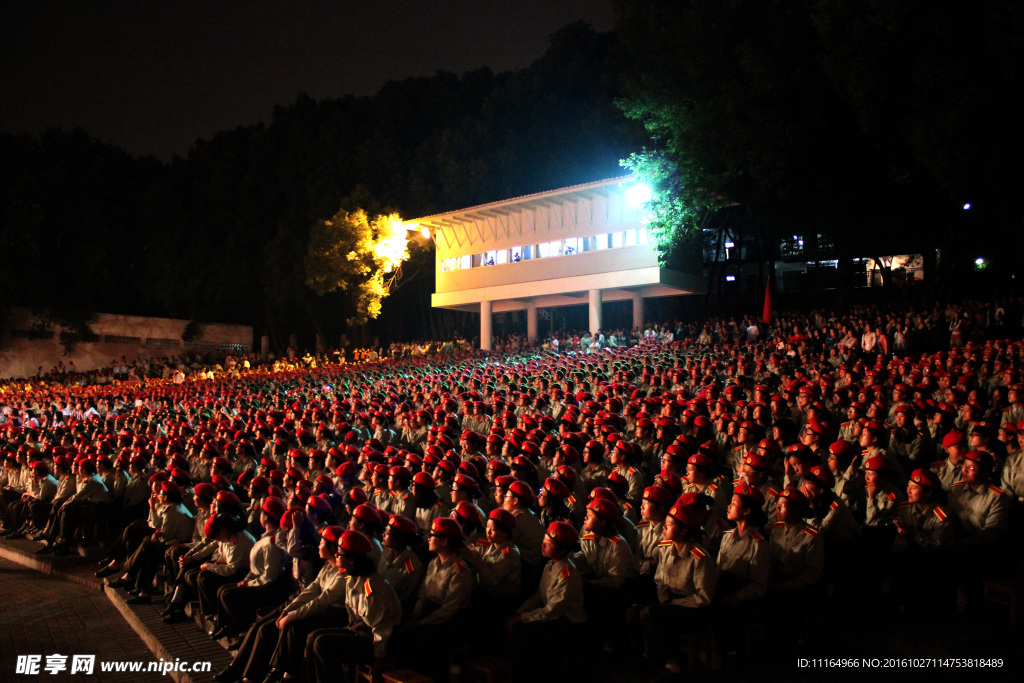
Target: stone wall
{"points": [[26, 344]]}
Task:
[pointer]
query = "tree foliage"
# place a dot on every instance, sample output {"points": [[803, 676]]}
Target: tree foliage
{"points": [[871, 122], [358, 255]]}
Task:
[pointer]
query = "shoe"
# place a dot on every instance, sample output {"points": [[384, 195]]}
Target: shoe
{"points": [[234, 644], [274, 676], [171, 607], [121, 583], [175, 617], [15, 535], [104, 562], [106, 571], [45, 550], [222, 632], [62, 549], [139, 600]]}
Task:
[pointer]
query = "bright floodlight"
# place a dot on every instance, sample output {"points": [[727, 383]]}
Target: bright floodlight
{"points": [[979, 261], [967, 206], [638, 195], [425, 232]]}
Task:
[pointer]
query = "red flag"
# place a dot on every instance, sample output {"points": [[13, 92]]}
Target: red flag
{"points": [[766, 316]]}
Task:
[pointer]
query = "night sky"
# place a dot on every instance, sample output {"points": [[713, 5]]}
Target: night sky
{"points": [[152, 77]]}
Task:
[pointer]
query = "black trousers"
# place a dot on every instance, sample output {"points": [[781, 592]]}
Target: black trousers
{"points": [[239, 604], [208, 583], [332, 648]]}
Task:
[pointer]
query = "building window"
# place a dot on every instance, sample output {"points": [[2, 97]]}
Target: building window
{"points": [[631, 238], [466, 262], [502, 256], [600, 242], [617, 239]]}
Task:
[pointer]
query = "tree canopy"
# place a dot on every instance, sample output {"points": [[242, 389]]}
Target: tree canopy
{"points": [[238, 230], [872, 122]]}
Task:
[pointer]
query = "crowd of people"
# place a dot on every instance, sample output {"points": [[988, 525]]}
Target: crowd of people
{"points": [[397, 512]]}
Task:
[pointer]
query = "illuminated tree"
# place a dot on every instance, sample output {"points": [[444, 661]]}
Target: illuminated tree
{"points": [[358, 255]]}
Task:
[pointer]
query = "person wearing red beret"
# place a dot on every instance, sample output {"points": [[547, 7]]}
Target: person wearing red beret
{"points": [[441, 610], [656, 503], [268, 649], [528, 532], [267, 584], [373, 613], [499, 573], [798, 552], [399, 564], [554, 613], [685, 582]]}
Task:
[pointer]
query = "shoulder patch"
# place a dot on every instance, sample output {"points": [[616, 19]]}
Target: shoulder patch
{"points": [[644, 523], [439, 504], [631, 470], [904, 505], [587, 537], [614, 539], [698, 552], [778, 524], [940, 513], [565, 571], [892, 495], [664, 544], [506, 550], [712, 487], [996, 490], [368, 587], [772, 492], [937, 464], [833, 505], [960, 483], [757, 536], [460, 565], [809, 530], [572, 500], [481, 543], [410, 568]]}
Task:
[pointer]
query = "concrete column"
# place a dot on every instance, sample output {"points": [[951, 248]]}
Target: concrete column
{"points": [[595, 309], [531, 321], [485, 325], [638, 311], [264, 346]]}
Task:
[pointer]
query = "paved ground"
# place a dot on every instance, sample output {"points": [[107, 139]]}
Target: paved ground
{"points": [[47, 615]]}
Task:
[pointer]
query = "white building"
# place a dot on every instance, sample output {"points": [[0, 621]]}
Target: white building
{"points": [[578, 245]]}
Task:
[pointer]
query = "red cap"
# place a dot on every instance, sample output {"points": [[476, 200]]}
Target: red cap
{"points": [[605, 509], [522, 490], [556, 487], [659, 495], [503, 518], [927, 479], [332, 534], [355, 543], [446, 526], [274, 507], [750, 493], [563, 534], [402, 524]]}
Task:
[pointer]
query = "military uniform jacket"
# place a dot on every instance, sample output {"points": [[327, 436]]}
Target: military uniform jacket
{"points": [[527, 536], [927, 530], [66, 487], [746, 557], [326, 591], [45, 488], [231, 558], [136, 491], [686, 578], [635, 479], [982, 513], [501, 574], [373, 606], [176, 524], [559, 596], [798, 555], [880, 508], [648, 539], [947, 473], [607, 559], [402, 570], [1012, 414], [267, 560], [1013, 476], [833, 518], [447, 584], [90, 490], [399, 503], [426, 516]]}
